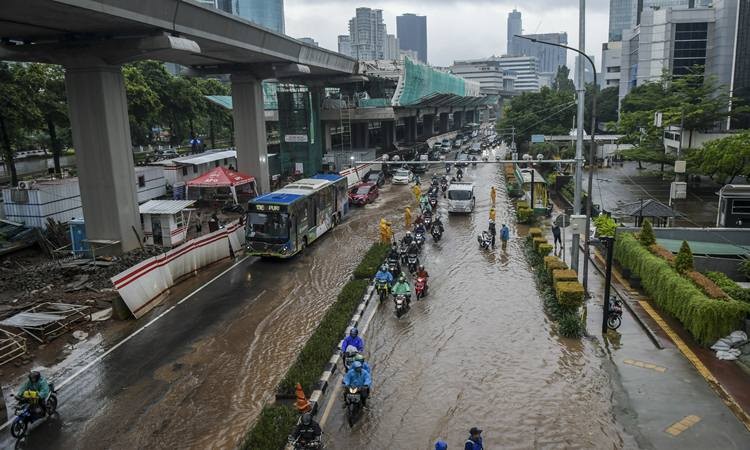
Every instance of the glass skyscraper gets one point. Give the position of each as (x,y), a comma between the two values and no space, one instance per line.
(514,28)
(411,31)
(267,13)
(626,14)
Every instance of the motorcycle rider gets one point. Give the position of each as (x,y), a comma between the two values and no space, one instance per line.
(436,222)
(393,254)
(422,273)
(402,288)
(361,359)
(408,238)
(354,340)
(307,430)
(384,275)
(360,378)
(419,228)
(35,382)
(459,173)
(493,231)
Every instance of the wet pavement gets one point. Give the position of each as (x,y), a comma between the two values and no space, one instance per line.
(200,375)
(479,351)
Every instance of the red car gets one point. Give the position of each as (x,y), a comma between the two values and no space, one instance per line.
(363,193)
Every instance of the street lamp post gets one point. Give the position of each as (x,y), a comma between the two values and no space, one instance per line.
(592,156)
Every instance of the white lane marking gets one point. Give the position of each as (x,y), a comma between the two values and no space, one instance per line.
(337,384)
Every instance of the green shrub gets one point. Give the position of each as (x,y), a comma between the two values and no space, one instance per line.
(537,241)
(728,285)
(605,225)
(705,319)
(553,262)
(646,236)
(372,260)
(744,268)
(274,425)
(570,325)
(522,204)
(318,349)
(569,293)
(545,249)
(535,232)
(524,215)
(684,259)
(564,275)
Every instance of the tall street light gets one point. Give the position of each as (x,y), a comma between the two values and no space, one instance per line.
(579,157)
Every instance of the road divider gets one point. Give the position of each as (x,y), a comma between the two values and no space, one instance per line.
(277,420)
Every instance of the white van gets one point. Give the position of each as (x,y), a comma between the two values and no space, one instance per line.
(461,197)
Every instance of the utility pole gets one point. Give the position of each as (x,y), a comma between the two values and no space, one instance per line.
(581,90)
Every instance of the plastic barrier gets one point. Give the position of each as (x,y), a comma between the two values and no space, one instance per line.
(142,285)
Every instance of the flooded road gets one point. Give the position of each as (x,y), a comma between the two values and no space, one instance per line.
(200,375)
(478,351)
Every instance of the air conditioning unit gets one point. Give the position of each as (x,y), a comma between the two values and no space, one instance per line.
(23,185)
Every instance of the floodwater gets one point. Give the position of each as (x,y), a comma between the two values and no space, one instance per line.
(478,351)
(200,375)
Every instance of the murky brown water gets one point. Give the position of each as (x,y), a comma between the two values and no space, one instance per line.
(479,351)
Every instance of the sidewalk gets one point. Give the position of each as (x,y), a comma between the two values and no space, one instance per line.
(660,398)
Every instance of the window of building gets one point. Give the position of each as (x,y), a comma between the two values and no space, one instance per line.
(216,163)
(141,181)
(741,207)
(615,69)
(184,171)
(195,169)
(691,41)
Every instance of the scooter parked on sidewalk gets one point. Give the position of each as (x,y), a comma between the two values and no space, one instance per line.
(614,317)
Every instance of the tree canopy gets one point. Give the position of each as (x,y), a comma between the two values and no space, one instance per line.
(723,159)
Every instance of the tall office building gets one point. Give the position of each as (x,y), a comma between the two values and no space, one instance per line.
(411,30)
(492,78)
(741,79)
(267,13)
(345,44)
(626,14)
(368,37)
(611,54)
(309,40)
(514,27)
(674,39)
(549,57)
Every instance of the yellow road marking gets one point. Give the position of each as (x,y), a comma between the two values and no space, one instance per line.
(682,425)
(645,365)
(702,369)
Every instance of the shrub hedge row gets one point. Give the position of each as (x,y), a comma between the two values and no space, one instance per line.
(706,319)
(276,421)
(728,285)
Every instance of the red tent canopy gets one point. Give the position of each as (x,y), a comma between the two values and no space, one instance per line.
(221,177)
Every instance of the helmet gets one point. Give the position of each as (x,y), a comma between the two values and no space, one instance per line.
(384,268)
(408,233)
(441,445)
(306,419)
(421,267)
(353,332)
(357,365)
(402,279)
(34,376)
(359,358)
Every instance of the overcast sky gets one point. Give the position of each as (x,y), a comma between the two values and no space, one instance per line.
(455,29)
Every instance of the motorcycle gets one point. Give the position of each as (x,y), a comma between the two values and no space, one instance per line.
(393,267)
(447,168)
(402,253)
(459,175)
(614,318)
(473,162)
(28,410)
(348,359)
(444,187)
(420,287)
(427,218)
(437,233)
(301,444)
(485,240)
(382,288)
(433,201)
(419,237)
(353,400)
(412,262)
(402,306)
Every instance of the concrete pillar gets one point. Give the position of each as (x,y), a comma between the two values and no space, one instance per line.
(104,155)
(457,120)
(388,130)
(365,135)
(428,125)
(443,128)
(250,129)
(411,129)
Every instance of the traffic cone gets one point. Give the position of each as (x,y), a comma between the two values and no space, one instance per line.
(301,404)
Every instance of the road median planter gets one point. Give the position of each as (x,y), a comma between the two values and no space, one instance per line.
(559,275)
(705,318)
(277,421)
(552,263)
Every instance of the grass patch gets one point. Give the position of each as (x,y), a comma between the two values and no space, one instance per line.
(372,261)
(728,285)
(706,319)
(272,428)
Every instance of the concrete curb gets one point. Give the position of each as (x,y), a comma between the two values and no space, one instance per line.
(330,369)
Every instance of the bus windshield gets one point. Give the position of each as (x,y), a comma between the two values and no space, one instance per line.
(269,226)
(459,194)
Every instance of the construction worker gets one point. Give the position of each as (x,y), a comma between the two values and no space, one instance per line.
(492,214)
(417,192)
(493,194)
(407,218)
(384,231)
(389,233)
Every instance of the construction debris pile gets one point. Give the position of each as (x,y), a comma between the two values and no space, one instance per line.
(31,280)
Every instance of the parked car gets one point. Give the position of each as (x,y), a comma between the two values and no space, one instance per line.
(402,176)
(166,154)
(363,193)
(374,176)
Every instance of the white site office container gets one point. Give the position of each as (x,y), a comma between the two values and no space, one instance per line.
(150,183)
(56,199)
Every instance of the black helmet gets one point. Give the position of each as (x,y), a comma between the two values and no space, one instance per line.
(34,376)
(353,332)
(306,419)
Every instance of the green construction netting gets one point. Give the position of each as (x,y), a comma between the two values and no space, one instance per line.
(374,103)
(421,81)
(270,101)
